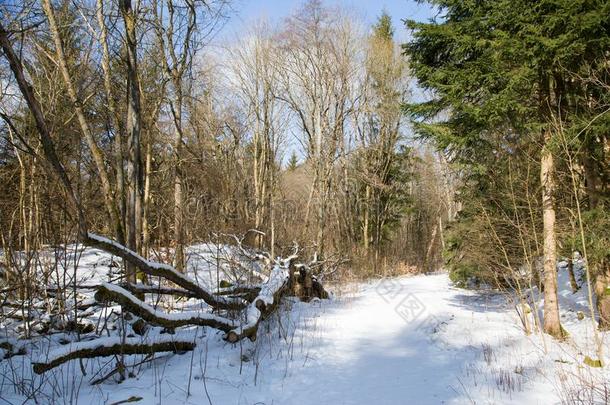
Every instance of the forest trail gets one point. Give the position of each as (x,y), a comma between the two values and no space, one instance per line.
(378,346)
(408,340)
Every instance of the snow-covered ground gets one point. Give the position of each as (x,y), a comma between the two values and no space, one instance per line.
(408,340)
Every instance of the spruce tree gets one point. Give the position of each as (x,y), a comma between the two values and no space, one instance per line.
(293,162)
(502,77)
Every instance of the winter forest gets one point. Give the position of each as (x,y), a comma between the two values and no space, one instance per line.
(304,202)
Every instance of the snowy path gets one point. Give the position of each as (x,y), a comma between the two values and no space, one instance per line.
(365,348)
(382,346)
(374,348)
(410,340)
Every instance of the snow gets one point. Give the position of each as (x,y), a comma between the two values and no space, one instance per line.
(399,340)
(206,265)
(107,342)
(277,278)
(175,316)
(155,265)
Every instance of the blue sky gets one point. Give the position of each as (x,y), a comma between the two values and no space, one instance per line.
(369,10)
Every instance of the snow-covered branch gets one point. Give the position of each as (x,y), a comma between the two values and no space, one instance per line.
(262,306)
(110,292)
(163,270)
(110,346)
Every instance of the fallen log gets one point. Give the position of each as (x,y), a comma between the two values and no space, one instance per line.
(267,299)
(243,291)
(163,270)
(247,292)
(113,293)
(284,279)
(157,289)
(111,346)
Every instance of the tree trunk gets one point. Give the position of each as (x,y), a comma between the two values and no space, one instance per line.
(146,202)
(590,175)
(573,282)
(552,323)
(602,292)
(114,122)
(179,259)
(134,172)
(365,228)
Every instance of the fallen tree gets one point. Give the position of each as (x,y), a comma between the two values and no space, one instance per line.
(252,304)
(281,274)
(108,347)
(110,292)
(162,270)
(263,304)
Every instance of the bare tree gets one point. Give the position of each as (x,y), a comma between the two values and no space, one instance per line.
(134,123)
(254,63)
(318,52)
(96,152)
(182,28)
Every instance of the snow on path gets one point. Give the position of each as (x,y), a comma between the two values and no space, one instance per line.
(414,340)
(408,340)
(382,347)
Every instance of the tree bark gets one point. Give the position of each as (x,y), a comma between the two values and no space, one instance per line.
(573,282)
(134,119)
(179,260)
(552,323)
(602,292)
(146,201)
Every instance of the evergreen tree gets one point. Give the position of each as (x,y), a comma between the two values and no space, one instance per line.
(383,27)
(293,162)
(502,77)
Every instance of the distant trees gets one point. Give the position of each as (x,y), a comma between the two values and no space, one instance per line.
(176,29)
(256,83)
(318,58)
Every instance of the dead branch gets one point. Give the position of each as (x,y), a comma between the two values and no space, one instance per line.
(108,347)
(112,293)
(249,293)
(284,278)
(157,289)
(163,270)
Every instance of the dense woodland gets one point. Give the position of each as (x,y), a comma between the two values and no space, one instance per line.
(294,129)
(479,146)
